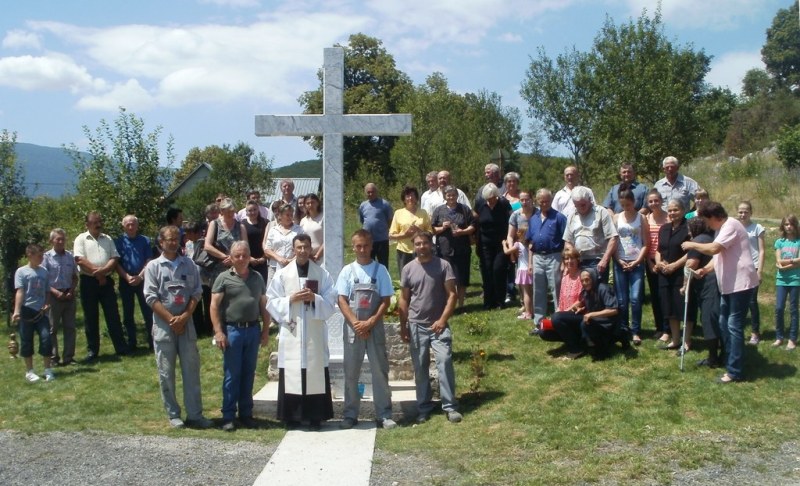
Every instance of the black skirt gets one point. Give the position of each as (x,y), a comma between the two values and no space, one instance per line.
(297,408)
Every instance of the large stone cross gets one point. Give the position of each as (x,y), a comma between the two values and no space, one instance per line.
(333,125)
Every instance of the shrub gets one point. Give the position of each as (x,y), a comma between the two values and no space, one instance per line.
(789,147)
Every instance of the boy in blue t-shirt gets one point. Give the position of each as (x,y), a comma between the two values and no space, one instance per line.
(30,310)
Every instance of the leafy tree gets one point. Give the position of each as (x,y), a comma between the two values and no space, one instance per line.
(781,52)
(789,147)
(16,227)
(757,82)
(714,110)
(646,91)
(123,172)
(454,132)
(372,84)
(235,170)
(755,124)
(558,95)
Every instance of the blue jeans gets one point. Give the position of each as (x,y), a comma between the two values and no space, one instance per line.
(781,292)
(629,287)
(33,322)
(732,308)
(239,364)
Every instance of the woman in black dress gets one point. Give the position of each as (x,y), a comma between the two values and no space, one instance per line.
(670,260)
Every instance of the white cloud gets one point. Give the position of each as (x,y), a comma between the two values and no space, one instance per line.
(20,39)
(510,37)
(130,95)
(707,14)
(454,21)
(728,69)
(51,73)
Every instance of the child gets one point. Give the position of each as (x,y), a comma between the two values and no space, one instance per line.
(30,310)
(787,279)
(755,233)
(524,276)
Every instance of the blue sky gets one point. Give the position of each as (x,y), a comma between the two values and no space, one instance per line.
(203,68)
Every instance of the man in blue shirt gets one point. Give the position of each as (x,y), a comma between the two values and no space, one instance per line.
(134,252)
(627,175)
(545,238)
(376,215)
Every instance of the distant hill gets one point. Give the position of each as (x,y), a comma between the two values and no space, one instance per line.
(303,168)
(47,170)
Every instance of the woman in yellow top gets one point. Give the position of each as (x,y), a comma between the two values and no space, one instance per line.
(405,224)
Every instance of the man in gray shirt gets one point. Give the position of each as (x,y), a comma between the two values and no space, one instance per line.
(428,298)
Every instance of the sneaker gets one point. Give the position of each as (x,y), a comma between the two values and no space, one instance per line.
(49,375)
(777,343)
(754,340)
(31,376)
(199,423)
(348,423)
(176,423)
(454,417)
(228,426)
(388,423)
(791,345)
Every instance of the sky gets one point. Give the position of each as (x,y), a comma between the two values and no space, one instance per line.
(201,69)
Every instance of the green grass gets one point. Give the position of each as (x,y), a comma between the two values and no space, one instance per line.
(634,418)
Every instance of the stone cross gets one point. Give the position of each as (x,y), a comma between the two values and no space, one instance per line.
(333,125)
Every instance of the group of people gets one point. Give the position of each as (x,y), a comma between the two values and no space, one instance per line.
(562,248)
(257,274)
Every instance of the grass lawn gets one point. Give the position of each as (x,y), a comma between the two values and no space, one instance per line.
(532,418)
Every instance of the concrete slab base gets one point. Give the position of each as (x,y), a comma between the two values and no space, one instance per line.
(330,456)
(404,402)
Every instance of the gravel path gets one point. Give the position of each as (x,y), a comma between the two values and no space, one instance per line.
(100,459)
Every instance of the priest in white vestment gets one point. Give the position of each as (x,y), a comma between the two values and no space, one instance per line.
(301,297)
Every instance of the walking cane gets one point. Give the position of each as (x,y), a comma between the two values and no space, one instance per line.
(688,274)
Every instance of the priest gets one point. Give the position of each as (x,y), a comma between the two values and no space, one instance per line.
(301,297)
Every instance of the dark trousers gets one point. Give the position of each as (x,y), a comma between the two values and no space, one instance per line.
(128,294)
(493,273)
(94,296)
(573,331)
(380,252)
(655,302)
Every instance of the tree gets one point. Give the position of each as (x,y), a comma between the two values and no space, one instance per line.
(16,228)
(756,82)
(559,98)
(235,170)
(646,91)
(781,52)
(372,84)
(454,132)
(789,147)
(714,110)
(123,172)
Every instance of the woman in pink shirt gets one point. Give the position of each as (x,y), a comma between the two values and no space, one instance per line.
(736,277)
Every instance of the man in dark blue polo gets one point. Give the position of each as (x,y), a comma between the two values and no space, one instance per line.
(134,252)
(545,240)
(627,176)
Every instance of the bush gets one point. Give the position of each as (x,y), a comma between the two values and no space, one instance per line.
(789,147)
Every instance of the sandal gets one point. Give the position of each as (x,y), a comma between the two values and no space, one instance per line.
(671,347)
(791,346)
(777,343)
(726,378)
(664,338)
